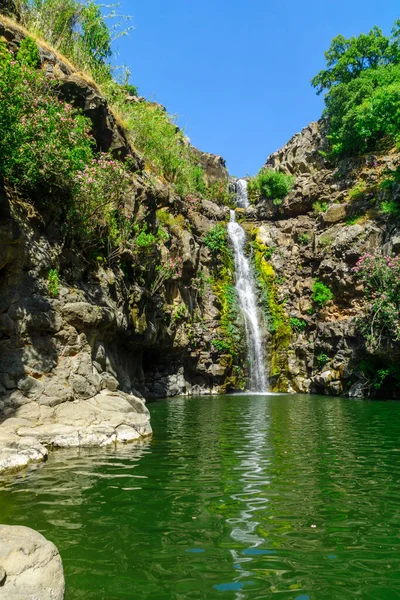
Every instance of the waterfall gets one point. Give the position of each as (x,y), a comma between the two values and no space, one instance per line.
(245,289)
(242,197)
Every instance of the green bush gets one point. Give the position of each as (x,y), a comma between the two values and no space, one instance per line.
(270,184)
(46,153)
(28,53)
(164,146)
(322,359)
(320,207)
(297,324)
(43,141)
(304,239)
(216,239)
(53,283)
(321,294)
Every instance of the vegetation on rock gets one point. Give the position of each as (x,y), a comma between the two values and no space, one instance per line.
(380,276)
(362,80)
(270,184)
(321,294)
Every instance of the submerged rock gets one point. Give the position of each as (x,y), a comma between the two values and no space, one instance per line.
(30,566)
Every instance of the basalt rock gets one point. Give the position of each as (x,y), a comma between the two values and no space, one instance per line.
(318,233)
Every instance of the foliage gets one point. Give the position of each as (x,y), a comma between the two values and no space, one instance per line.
(321,294)
(320,207)
(231,327)
(346,59)
(53,283)
(144,239)
(43,141)
(78,29)
(363,99)
(380,276)
(358,191)
(216,239)
(28,53)
(390,207)
(171,269)
(297,324)
(164,146)
(276,317)
(46,152)
(75,28)
(322,359)
(98,210)
(380,373)
(219,192)
(304,239)
(270,184)
(353,220)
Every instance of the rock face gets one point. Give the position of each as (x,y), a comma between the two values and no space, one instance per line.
(76,363)
(30,566)
(319,231)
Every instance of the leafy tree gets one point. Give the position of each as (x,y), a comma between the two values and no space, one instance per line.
(363,91)
(346,59)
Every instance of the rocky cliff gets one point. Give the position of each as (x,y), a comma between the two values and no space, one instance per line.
(76,364)
(318,233)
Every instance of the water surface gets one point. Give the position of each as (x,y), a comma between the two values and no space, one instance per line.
(247,497)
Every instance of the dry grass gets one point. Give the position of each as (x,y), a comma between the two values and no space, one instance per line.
(45,45)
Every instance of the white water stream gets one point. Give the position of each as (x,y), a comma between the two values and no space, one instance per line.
(245,289)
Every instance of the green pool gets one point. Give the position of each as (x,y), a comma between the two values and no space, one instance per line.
(236,497)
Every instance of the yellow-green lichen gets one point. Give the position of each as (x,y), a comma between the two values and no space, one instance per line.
(276,317)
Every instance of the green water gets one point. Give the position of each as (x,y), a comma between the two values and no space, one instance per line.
(235,498)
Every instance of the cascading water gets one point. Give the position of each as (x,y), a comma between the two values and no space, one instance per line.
(242,196)
(245,289)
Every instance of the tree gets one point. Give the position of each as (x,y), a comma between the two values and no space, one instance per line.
(346,59)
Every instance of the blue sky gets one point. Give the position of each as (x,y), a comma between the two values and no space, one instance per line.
(237,73)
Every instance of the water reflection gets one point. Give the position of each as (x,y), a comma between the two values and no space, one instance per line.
(235,497)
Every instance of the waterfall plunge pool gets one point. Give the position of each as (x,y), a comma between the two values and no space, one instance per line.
(235,497)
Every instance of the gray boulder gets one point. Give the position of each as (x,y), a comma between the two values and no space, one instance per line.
(30,566)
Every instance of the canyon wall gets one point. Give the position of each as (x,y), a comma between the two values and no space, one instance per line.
(330,218)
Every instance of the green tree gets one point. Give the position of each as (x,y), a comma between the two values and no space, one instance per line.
(362,80)
(347,58)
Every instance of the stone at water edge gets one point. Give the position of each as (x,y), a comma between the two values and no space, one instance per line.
(30,566)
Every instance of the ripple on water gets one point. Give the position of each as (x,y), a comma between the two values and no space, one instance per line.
(242,497)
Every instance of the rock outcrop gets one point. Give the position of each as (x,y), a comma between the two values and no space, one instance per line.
(30,566)
(319,231)
(77,363)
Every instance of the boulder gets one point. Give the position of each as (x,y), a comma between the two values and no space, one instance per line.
(30,566)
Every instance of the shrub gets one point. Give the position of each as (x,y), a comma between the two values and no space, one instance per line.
(98,212)
(322,359)
(320,207)
(321,294)
(270,184)
(28,53)
(298,324)
(216,239)
(43,141)
(304,239)
(144,240)
(218,192)
(163,145)
(380,276)
(53,283)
